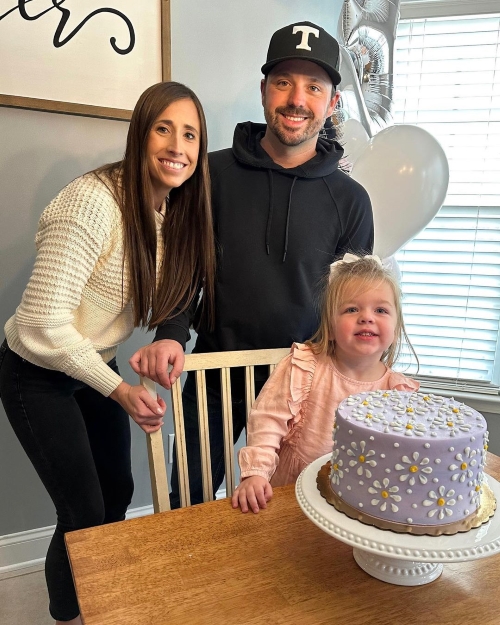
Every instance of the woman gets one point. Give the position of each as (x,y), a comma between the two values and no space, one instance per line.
(126,245)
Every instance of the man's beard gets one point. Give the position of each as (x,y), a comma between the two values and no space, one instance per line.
(287,136)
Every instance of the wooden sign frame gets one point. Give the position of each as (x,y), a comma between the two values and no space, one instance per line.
(88,110)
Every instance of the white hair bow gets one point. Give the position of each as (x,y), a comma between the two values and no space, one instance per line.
(352,258)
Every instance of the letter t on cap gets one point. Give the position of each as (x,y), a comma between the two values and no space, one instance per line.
(306,31)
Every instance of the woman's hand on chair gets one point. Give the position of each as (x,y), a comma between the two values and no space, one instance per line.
(253,493)
(144,410)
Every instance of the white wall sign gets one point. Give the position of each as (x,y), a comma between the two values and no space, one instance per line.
(85,57)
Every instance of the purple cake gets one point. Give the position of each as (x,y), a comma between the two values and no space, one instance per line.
(407,461)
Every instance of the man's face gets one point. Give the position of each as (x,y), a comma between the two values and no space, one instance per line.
(297,98)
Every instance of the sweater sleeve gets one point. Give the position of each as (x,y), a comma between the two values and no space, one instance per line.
(72,234)
(275,411)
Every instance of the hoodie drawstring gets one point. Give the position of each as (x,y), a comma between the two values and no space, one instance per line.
(270,212)
(288,218)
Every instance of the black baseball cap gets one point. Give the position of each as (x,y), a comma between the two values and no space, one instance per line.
(305,40)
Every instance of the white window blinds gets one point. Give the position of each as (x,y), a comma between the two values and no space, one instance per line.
(447,80)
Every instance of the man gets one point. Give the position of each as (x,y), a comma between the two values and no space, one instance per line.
(283,211)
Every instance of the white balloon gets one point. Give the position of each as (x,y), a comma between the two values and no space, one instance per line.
(405,171)
(354,139)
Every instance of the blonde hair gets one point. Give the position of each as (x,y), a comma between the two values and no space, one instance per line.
(368,274)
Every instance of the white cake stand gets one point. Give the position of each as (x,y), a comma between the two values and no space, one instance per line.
(401,559)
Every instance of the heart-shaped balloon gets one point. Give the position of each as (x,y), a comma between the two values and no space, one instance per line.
(354,139)
(405,171)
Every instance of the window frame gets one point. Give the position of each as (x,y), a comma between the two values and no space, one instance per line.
(482,399)
(412,9)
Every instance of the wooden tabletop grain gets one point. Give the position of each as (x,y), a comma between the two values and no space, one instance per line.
(212,564)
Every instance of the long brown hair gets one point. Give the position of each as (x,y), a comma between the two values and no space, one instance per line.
(368,274)
(188,240)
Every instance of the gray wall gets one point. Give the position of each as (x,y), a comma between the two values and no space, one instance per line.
(217,49)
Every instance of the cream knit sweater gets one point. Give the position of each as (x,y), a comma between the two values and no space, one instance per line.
(76,309)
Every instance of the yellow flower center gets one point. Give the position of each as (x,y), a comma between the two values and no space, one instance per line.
(361,458)
(450,424)
(409,426)
(455,410)
(413,469)
(486,447)
(385,395)
(463,466)
(409,409)
(441,502)
(384,494)
(478,488)
(427,398)
(365,403)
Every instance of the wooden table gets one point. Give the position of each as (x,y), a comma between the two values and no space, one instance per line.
(212,564)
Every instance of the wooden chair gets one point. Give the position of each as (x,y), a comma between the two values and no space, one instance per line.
(201,363)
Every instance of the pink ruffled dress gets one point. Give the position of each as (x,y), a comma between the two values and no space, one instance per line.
(291,421)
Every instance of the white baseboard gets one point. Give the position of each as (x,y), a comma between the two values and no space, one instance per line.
(24,552)
(24,549)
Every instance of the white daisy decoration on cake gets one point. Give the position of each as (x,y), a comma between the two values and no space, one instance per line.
(484,448)
(369,418)
(336,470)
(353,399)
(441,502)
(361,458)
(414,429)
(466,460)
(397,425)
(475,493)
(386,495)
(453,424)
(414,469)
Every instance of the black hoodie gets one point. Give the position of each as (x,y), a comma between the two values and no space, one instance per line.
(277,232)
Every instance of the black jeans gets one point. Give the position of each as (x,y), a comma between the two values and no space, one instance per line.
(216,431)
(79,443)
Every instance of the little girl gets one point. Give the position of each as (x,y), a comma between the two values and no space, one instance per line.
(359,339)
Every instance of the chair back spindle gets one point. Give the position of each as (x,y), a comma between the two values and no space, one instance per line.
(156,458)
(200,363)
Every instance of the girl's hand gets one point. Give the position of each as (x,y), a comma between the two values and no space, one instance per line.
(253,492)
(138,403)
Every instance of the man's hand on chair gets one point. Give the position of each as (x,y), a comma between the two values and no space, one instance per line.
(152,361)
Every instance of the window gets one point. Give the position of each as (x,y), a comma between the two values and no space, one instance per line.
(447,80)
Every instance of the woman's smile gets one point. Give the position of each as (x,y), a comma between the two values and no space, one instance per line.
(173,147)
